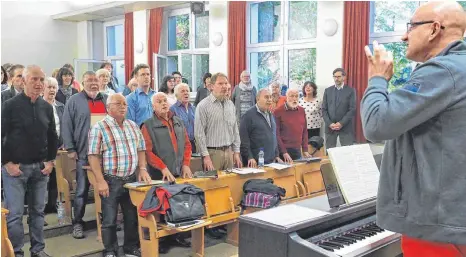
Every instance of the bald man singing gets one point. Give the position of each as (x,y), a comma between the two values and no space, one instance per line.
(422,183)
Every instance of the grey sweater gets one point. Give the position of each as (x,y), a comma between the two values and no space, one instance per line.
(422,185)
(77,122)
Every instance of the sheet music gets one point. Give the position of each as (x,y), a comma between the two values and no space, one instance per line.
(286,215)
(244,171)
(356,171)
(278,166)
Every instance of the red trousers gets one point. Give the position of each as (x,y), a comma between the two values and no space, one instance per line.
(413,247)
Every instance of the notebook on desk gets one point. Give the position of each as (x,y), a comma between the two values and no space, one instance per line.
(206,174)
(310,159)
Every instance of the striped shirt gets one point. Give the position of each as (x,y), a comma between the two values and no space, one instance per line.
(118,146)
(215,125)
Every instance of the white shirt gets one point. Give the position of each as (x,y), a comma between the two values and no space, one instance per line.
(313,112)
(171,99)
(57,119)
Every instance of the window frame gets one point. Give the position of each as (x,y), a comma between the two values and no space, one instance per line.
(283,45)
(192,50)
(111,24)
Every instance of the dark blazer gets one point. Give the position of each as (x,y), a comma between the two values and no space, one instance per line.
(256,133)
(7,94)
(342,111)
(61,97)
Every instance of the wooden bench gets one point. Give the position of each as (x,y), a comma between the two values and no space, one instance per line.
(221,210)
(151,230)
(65,169)
(97,203)
(7,247)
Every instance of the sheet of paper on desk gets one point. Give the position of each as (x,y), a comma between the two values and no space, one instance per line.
(278,166)
(356,171)
(286,215)
(142,184)
(244,171)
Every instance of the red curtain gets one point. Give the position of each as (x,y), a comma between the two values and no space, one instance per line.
(355,37)
(129,46)
(236,40)
(155,30)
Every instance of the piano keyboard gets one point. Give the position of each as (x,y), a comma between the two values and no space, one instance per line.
(357,241)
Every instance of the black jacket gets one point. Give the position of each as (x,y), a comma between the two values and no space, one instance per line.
(62,98)
(8,94)
(28,131)
(60,110)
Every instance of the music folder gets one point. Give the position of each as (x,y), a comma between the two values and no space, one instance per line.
(334,195)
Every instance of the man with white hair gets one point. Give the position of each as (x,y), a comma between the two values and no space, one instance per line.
(29,148)
(168,151)
(258,131)
(291,128)
(117,156)
(185,111)
(50,91)
(244,95)
(76,124)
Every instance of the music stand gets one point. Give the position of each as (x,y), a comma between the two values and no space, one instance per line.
(334,195)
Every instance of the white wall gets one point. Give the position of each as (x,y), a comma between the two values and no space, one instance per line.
(30,36)
(329,49)
(140,23)
(218,22)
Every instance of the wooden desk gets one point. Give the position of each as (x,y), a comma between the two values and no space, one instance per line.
(7,247)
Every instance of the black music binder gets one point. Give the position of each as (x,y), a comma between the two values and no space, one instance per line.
(334,195)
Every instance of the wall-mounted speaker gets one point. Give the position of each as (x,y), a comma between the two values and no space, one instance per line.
(197,7)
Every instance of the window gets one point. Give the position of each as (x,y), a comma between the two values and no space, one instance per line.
(281,42)
(114,48)
(188,46)
(388,24)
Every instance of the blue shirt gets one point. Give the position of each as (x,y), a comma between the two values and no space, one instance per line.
(186,115)
(139,106)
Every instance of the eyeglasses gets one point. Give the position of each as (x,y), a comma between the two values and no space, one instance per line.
(410,25)
(119,104)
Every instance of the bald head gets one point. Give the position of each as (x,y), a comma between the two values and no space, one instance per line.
(432,28)
(160,104)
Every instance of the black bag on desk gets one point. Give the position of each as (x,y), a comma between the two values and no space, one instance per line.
(186,203)
(261,193)
(176,202)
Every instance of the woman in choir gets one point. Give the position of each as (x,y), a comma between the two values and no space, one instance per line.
(168,87)
(103,75)
(313,109)
(65,78)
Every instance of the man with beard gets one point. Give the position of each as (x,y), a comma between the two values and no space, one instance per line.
(76,124)
(291,128)
(244,95)
(338,109)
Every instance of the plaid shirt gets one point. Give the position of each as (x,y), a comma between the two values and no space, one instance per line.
(118,146)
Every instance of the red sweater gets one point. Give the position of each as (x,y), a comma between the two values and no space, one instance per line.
(291,128)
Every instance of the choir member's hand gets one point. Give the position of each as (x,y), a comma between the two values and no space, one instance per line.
(167,175)
(332,126)
(381,63)
(237,160)
(186,172)
(277,159)
(307,155)
(48,167)
(13,169)
(252,163)
(102,187)
(208,163)
(72,155)
(338,126)
(143,176)
(287,158)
